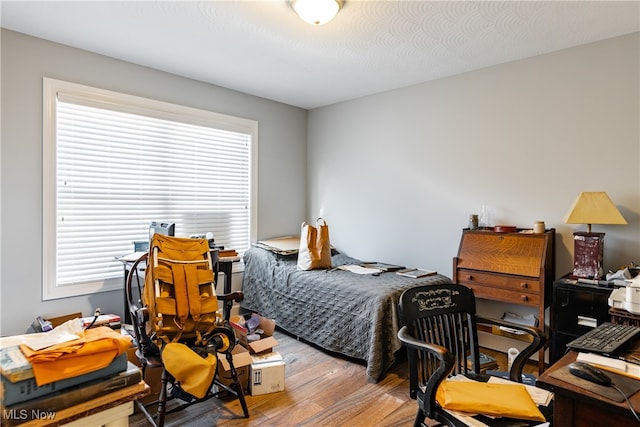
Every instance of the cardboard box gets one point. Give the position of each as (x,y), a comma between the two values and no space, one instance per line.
(263,345)
(59,320)
(151,377)
(267,374)
(241,361)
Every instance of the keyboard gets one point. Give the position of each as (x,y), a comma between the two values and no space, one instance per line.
(605,339)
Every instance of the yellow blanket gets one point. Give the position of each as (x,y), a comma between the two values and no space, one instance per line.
(194,373)
(94,350)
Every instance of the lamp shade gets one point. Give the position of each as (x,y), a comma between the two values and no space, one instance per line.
(594,208)
(316,12)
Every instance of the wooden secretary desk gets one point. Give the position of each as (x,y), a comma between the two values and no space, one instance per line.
(514,267)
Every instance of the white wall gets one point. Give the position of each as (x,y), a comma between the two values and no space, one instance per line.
(397,174)
(25,61)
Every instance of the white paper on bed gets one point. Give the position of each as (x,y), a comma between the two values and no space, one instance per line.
(358,269)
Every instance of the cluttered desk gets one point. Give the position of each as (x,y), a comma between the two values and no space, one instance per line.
(597,381)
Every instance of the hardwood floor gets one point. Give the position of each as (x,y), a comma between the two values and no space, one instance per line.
(320,390)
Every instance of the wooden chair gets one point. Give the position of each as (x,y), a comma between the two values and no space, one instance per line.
(150,354)
(439,329)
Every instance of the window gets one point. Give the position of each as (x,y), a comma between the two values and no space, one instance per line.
(113,163)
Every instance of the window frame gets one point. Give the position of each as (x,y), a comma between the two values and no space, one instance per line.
(131,104)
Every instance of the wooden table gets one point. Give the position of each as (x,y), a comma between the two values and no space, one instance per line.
(576,406)
(110,410)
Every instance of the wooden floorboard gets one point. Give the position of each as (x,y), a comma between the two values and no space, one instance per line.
(321,389)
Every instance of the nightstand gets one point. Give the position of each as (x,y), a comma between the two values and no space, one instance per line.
(577,308)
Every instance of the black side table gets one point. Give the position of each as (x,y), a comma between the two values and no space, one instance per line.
(577,308)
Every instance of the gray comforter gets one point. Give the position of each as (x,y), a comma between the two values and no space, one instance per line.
(351,314)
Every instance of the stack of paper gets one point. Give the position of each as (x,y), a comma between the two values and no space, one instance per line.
(287,245)
(617,366)
(416,273)
(529,320)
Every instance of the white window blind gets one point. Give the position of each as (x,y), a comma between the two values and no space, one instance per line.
(122,162)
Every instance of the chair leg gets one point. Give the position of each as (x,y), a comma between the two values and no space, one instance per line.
(420,417)
(237,386)
(162,399)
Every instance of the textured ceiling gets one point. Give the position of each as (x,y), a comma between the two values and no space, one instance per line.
(263,48)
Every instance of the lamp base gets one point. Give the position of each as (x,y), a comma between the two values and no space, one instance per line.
(588,250)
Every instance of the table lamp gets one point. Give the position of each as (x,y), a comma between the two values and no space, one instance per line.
(591,208)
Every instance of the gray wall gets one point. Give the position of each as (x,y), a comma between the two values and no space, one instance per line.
(397,174)
(25,60)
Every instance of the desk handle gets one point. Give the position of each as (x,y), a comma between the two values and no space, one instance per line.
(524,285)
(524,298)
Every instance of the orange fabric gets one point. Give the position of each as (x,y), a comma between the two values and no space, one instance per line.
(95,350)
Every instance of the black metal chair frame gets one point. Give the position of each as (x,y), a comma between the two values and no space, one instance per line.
(149,354)
(440,331)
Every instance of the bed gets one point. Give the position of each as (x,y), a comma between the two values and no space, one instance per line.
(351,314)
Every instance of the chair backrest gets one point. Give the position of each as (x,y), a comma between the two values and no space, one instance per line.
(179,289)
(443,315)
(139,315)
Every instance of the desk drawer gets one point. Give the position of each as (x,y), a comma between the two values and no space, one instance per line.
(512,283)
(498,294)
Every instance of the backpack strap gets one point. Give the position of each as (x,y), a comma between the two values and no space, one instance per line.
(181,297)
(193,292)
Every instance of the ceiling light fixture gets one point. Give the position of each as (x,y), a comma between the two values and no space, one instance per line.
(316,12)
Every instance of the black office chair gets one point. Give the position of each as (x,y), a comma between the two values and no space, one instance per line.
(149,353)
(440,333)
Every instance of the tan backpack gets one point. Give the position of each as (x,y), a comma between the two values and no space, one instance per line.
(179,290)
